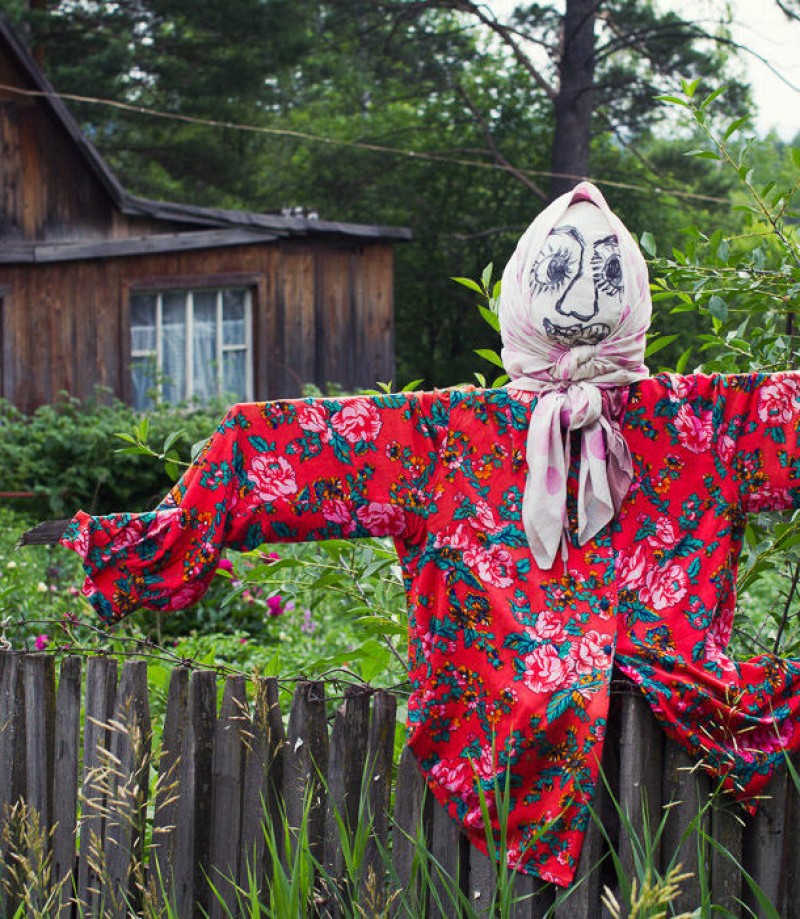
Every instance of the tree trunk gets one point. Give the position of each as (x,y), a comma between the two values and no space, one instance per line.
(574,103)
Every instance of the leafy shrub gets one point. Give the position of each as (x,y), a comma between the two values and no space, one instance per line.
(68,455)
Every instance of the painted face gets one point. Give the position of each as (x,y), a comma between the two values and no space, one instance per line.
(576,279)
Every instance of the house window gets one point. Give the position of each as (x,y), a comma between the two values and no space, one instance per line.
(191,344)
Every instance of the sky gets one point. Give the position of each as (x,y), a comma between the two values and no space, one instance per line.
(761,26)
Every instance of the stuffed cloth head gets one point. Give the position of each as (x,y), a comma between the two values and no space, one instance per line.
(574,310)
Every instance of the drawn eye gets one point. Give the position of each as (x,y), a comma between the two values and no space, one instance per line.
(607,269)
(552,270)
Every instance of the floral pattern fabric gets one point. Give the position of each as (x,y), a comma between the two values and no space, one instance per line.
(510,665)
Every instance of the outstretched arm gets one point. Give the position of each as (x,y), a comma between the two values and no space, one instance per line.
(280,471)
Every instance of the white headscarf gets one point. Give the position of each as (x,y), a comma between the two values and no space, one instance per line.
(574,386)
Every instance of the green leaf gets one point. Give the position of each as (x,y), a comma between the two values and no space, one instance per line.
(673,100)
(795,152)
(171,439)
(690,87)
(734,126)
(488,355)
(490,318)
(718,308)
(486,277)
(703,154)
(468,282)
(657,344)
(683,360)
(712,96)
(648,243)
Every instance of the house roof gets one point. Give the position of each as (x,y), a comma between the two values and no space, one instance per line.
(260,226)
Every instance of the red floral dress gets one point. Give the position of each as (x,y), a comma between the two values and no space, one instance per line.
(510,665)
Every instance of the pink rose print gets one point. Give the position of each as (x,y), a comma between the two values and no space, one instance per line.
(492,563)
(775,400)
(274,477)
(484,516)
(314,418)
(548,627)
(664,587)
(593,653)
(453,780)
(768,498)
(357,422)
(665,536)
(546,671)
(460,537)
(695,430)
(382,519)
(334,510)
(726,446)
(631,567)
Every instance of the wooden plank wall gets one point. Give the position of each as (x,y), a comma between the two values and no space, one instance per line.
(323,313)
(225,770)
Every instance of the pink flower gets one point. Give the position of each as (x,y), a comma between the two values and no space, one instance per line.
(225,564)
(334,510)
(452,779)
(665,536)
(631,567)
(695,429)
(548,627)
(492,563)
(593,652)
(665,586)
(315,419)
(460,537)
(546,671)
(275,605)
(726,446)
(41,642)
(274,477)
(484,516)
(775,400)
(382,519)
(357,422)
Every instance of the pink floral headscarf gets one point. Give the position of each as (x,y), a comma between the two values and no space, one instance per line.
(575,388)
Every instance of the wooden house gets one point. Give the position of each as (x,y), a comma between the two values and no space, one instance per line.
(101,288)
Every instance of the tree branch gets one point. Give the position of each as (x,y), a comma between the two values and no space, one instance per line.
(494,149)
(506,34)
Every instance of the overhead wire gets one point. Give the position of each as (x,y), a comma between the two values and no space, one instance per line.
(423,155)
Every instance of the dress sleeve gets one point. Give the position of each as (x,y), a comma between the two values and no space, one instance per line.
(276,471)
(757,426)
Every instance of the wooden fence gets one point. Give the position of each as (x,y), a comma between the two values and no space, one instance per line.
(223,766)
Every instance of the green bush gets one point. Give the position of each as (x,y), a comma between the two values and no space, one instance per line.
(68,455)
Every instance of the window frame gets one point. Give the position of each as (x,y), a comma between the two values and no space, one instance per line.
(189,286)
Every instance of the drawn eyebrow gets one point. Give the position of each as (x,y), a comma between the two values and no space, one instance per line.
(608,241)
(567,230)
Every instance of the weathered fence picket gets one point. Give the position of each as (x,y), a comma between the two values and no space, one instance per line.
(220,777)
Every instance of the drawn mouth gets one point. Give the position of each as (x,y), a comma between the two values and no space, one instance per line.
(577,334)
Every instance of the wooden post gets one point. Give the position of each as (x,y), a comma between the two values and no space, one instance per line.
(233,726)
(380,755)
(412,817)
(641,765)
(449,863)
(166,854)
(101,687)
(128,784)
(727,817)
(305,760)
(764,836)
(195,806)
(257,800)
(686,793)
(65,779)
(346,761)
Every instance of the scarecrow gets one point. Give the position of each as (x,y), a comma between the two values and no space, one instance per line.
(584,515)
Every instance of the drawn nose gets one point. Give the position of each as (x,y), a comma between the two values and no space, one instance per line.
(580,300)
